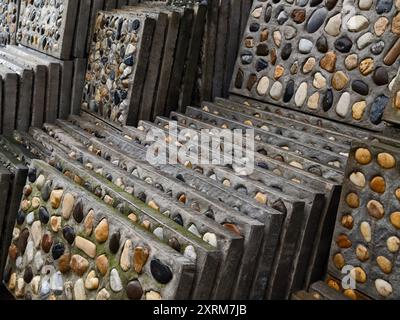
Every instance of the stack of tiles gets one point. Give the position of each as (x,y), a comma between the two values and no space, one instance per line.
(334,59)
(366,240)
(9,10)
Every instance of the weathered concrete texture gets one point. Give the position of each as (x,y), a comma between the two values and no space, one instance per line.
(9,99)
(48,26)
(366,236)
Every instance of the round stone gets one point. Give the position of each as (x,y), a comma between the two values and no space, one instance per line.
(289,91)
(279,71)
(378,47)
(360,87)
(289,32)
(298,15)
(322,44)
(366,232)
(134,290)
(386,160)
(385,264)
(263,86)
(353,200)
(395,219)
(362,253)
(383,6)
(327,100)
(375,209)
(316,20)
(64,263)
(358,110)
(328,62)
(365,4)
(358,274)
(343,44)
(333,25)
(338,260)
(339,80)
(343,241)
(347,221)
(101,231)
(276,90)
(351,61)
(380,76)
(383,287)
(69,234)
(363,156)
(381,25)
(357,23)
(301,94)
(343,105)
(313,101)
(79,264)
(305,46)
(366,66)
(378,184)
(319,81)
(160,271)
(393,244)
(57,250)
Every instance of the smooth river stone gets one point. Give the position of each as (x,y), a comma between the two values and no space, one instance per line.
(322,44)
(343,105)
(79,290)
(55,198)
(36,231)
(365,40)
(383,6)
(392,54)
(134,290)
(276,90)
(101,231)
(377,109)
(262,86)
(360,87)
(333,25)
(79,264)
(302,3)
(313,101)
(328,62)
(67,206)
(383,287)
(289,32)
(365,4)
(289,91)
(160,271)
(358,110)
(330,4)
(298,15)
(319,81)
(115,281)
(381,25)
(305,46)
(343,44)
(378,47)
(286,51)
(357,23)
(301,94)
(366,66)
(339,80)
(309,65)
(327,100)
(86,246)
(114,242)
(277,37)
(380,76)
(316,20)
(125,261)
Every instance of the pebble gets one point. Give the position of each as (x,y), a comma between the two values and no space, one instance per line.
(395,219)
(134,290)
(322,44)
(380,76)
(353,200)
(360,87)
(79,290)
(44,288)
(351,61)
(289,91)
(47,242)
(38,260)
(363,156)
(55,223)
(343,44)
(375,209)
(358,179)
(378,184)
(57,283)
(69,234)
(358,274)
(383,287)
(160,271)
(101,231)
(88,223)
(286,51)
(35,285)
(68,290)
(378,47)
(12,283)
(362,253)
(366,232)
(305,46)
(366,66)
(385,264)
(279,71)
(277,37)
(193,229)
(64,263)
(328,62)
(125,261)
(25,205)
(140,256)
(381,25)
(343,241)
(32,175)
(20,288)
(211,239)
(333,25)
(152,295)
(55,198)
(308,65)
(365,40)
(377,109)
(339,261)
(383,6)
(319,81)
(78,211)
(30,218)
(289,32)
(67,206)
(91,282)
(347,221)
(102,264)
(44,215)
(36,231)
(358,110)
(316,20)
(28,275)
(35,203)
(103,295)
(392,54)
(86,246)
(339,80)
(298,15)
(301,94)
(313,101)
(343,106)
(276,90)
(393,244)
(357,23)
(114,242)
(79,264)
(261,198)
(262,86)
(365,4)
(190,253)
(46,190)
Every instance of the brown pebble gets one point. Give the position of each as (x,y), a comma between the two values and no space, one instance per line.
(363,156)
(386,160)
(378,184)
(343,241)
(395,219)
(353,200)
